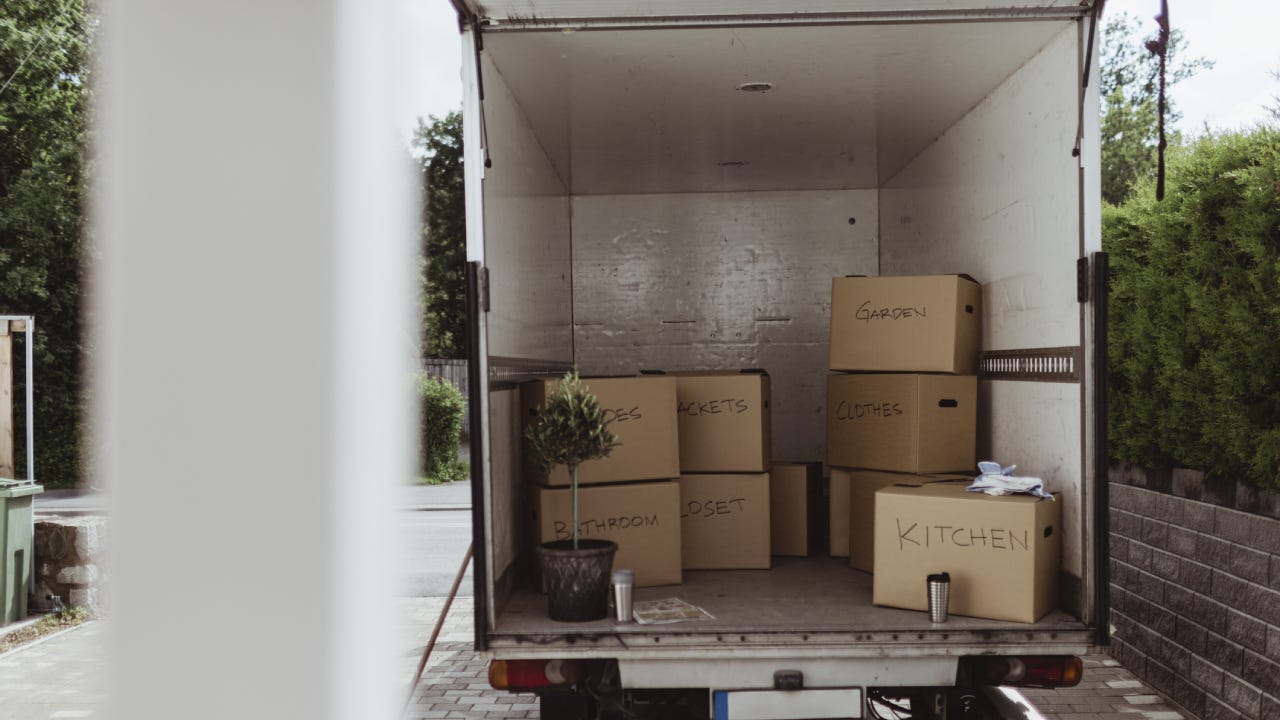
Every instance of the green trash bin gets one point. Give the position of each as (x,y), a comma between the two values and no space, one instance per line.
(15,547)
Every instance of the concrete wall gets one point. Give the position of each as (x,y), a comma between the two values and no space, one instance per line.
(1195,590)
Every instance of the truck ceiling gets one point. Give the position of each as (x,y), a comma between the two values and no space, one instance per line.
(746,108)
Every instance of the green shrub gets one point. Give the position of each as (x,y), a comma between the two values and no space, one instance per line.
(1195,312)
(442,410)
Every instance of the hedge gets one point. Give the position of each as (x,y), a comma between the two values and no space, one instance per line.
(1195,312)
(442,410)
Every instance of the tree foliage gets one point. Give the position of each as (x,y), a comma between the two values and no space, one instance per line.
(439,142)
(570,429)
(1195,312)
(44,47)
(1130,84)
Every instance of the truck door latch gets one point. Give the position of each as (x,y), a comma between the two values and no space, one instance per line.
(788,680)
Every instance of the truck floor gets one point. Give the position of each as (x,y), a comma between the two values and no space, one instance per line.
(801,601)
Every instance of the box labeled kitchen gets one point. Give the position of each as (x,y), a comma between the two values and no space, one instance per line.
(919,323)
(642,414)
(1002,553)
(725,521)
(907,423)
(642,518)
(795,509)
(724,421)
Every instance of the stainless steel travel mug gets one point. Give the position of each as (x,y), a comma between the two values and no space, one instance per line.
(623,583)
(939,586)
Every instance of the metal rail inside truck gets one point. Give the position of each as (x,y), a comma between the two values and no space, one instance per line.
(673,184)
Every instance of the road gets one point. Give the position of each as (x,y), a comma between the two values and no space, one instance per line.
(434,543)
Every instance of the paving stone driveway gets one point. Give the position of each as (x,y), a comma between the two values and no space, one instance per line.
(456,685)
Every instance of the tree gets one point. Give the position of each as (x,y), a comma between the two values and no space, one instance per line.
(1129,88)
(439,141)
(44,47)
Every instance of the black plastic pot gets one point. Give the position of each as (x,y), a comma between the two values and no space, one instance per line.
(577,580)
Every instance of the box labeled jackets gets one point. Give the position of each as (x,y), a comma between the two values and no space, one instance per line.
(863,485)
(642,518)
(1002,552)
(724,421)
(902,423)
(795,499)
(929,323)
(642,414)
(725,521)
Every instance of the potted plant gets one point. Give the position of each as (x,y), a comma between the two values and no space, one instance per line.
(571,430)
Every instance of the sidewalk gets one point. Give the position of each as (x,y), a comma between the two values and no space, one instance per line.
(60,676)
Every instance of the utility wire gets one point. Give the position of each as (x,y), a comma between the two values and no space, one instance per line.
(44,35)
(24,62)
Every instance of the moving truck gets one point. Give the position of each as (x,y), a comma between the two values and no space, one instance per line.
(673,184)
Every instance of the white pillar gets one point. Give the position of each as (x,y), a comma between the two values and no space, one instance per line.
(255,323)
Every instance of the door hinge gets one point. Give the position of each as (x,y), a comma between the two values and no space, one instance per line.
(1082,280)
(484,289)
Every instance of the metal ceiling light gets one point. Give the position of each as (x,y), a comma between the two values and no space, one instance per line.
(756,87)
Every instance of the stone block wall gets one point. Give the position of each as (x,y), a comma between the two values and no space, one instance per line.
(1195,590)
(69,562)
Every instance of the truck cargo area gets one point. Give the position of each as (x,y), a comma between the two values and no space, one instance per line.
(678,194)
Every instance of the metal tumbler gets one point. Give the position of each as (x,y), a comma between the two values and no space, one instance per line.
(939,594)
(623,583)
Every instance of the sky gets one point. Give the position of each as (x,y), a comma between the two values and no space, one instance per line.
(1238,34)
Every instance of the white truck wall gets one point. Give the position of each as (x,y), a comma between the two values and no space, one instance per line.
(508,493)
(526,250)
(526,244)
(721,280)
(997,197)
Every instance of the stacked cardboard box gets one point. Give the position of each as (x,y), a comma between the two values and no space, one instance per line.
(1002,553)
(725,457)
(902,397)
(796,514)
(629,497)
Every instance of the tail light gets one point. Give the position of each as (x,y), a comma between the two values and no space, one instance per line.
(1045,671)
(517,675)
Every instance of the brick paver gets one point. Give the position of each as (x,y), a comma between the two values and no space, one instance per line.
(1108,692)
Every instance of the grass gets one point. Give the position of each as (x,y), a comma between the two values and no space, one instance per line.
(47,625)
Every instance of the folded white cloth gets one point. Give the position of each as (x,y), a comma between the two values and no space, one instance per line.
(997,480)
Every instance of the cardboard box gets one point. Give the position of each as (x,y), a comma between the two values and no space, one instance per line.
(1002,552)
(724,421)
(863,485)
(795,504)
(930,323)
(643,518)
(725,521)
(838,514)
(902,423)
(642,413)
